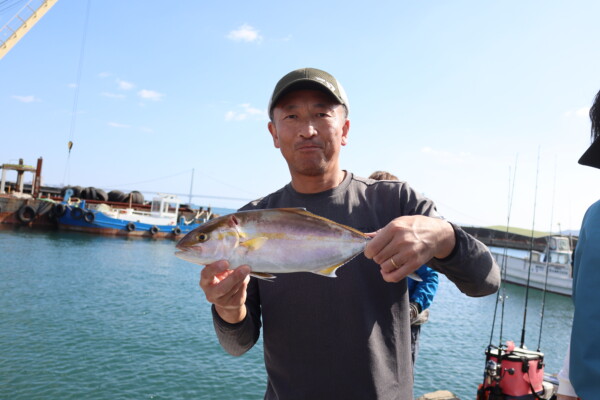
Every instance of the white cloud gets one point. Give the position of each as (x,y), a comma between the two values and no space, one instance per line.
(104,74)
(124,85)
(118,125)
(579,113)
(445,156)
(234,116)
(113,95)
(72,85)
(26,99)
(150,95)
(245,111)
(245,33)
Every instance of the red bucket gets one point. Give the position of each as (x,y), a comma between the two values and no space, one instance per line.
(517,374)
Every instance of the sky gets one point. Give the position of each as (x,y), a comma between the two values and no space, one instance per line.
(481,106)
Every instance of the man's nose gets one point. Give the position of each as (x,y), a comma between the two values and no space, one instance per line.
(308,130)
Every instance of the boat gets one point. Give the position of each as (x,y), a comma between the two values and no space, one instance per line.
(550,269)
(163,220)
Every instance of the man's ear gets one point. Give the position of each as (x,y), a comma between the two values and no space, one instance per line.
(274,135)
(345,130)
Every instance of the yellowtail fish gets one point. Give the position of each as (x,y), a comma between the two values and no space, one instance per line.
(273,241)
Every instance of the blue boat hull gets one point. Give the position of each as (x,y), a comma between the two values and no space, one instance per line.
(93,221)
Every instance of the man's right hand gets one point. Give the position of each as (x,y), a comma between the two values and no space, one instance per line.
(226,289)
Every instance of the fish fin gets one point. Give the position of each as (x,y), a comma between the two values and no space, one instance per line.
(254,244)
(330,271)
(415,277)
(263,275)
(305,212)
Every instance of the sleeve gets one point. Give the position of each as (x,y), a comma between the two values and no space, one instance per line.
(423,292)
(238,338)
(470,266)
(564,384)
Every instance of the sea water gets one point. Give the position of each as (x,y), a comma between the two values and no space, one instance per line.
(90,317)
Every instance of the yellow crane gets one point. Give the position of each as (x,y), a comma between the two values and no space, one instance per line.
(20,24)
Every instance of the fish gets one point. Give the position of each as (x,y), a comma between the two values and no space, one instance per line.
(274,241)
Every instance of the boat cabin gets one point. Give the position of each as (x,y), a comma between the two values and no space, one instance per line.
(557,251)
(165,205)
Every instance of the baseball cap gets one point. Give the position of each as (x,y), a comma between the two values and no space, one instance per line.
(308,78)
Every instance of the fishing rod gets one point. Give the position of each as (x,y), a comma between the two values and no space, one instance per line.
(501,294)
(547,262)
(530,251)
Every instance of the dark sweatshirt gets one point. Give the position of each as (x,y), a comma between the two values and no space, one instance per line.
(347,337)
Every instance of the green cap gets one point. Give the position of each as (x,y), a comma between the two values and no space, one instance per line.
(308,78)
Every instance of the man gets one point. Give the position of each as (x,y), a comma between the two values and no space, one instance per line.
(348,337)
(420,294)
(584,366)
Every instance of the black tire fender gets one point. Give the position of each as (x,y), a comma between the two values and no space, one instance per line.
(177,230)
(89,217)
(154,230)
(59,210)
(130,227)
(26,214)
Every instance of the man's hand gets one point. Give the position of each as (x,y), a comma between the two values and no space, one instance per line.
(414,312)
(226,289)
(408,242)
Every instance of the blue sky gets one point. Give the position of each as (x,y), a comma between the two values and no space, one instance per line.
(455,97)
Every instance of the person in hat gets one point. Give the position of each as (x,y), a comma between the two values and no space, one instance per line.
(584,359)
(348,337)
(420,293)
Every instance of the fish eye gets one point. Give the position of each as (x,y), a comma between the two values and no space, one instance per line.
(202,237)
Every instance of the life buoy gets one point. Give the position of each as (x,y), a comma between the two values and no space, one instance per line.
(59,210)
(154,230)
(130,227)
(177,230)
(89,217)
(26,214)
(76,213)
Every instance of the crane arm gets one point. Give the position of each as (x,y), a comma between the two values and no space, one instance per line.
(20,24)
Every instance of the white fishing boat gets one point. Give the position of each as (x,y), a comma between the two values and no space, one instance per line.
(550,269)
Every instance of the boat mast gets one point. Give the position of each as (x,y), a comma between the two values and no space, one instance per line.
(191,188)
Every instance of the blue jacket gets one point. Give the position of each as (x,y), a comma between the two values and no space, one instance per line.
(422,292)
(584,368)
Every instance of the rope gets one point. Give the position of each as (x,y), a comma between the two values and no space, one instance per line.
(77,87)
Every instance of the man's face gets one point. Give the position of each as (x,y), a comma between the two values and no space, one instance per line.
(309,127)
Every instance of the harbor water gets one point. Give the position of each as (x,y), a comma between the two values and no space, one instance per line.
(89,317)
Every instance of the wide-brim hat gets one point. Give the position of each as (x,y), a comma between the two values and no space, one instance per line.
(591,157)
(309,78)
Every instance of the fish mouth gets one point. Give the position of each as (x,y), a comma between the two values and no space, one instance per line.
(181,253)
(186,255)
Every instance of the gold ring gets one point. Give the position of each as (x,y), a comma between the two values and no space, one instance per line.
(393,263)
